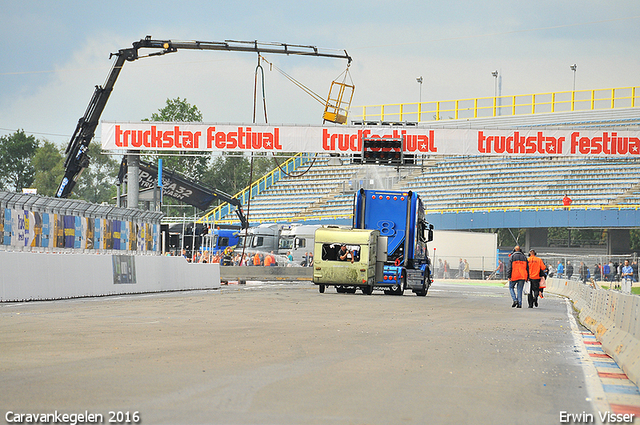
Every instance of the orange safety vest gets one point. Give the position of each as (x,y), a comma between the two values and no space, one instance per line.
(518,267)
(536,265)
(256,260)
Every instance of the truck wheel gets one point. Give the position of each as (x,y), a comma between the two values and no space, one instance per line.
(321,289)
(423,292)
(367,290)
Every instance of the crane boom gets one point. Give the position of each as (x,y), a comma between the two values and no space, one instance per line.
(76,153)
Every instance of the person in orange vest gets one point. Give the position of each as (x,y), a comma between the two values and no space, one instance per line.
(256,259)
(518,274)
(536,272)
(269,260)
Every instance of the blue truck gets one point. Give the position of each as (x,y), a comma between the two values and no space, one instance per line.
(386,247)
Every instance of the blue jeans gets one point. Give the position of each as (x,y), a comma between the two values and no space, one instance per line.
(512,284)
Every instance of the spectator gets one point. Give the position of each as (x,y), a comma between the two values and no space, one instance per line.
(466,269)
(584,272)
(627,277)
(569,269)
(560,269)
(597,272)
(634,266)
(566,201)
(446,274)
(606,272)
(612,271)
(460,269)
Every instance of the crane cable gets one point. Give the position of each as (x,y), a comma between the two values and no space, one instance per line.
(264,103)
(304,88)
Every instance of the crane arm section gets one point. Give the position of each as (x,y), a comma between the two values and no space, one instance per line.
(76,153)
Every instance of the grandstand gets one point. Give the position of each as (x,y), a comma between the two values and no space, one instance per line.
(323,192)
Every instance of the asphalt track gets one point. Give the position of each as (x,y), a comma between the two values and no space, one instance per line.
(285,354)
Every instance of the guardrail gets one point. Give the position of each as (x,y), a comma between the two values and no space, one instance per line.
(486,107)
(613,317)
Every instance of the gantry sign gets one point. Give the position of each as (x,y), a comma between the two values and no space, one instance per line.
(199,137)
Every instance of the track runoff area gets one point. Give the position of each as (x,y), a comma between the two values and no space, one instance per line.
(281,352)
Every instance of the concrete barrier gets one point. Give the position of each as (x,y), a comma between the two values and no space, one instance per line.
(233,273)
(613,317)
(47,276)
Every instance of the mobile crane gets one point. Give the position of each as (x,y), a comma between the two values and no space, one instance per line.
(76,153)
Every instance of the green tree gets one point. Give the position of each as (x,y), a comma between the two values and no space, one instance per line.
(179,110)
(634,235)
(48,163)
(228,173)
(16,155)
(96,183)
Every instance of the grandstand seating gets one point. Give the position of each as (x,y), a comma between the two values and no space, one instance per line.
(458,183)
(454,183)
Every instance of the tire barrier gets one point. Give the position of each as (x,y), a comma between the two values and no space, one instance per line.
(613,317)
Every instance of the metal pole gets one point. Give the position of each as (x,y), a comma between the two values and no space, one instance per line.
(133,175)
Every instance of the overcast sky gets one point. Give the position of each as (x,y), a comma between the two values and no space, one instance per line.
(55,52)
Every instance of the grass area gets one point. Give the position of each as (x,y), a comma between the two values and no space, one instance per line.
(635,290)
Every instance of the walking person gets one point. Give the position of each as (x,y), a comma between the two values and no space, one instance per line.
(517,273)
(536,272)
(466,269)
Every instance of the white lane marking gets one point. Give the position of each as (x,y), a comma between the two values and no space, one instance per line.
(595,391)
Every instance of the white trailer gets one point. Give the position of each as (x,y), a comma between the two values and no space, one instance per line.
(479,249)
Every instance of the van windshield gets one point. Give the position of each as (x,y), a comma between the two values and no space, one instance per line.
(286,243)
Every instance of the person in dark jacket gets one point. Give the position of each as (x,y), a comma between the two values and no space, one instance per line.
(518,274)
(569,269)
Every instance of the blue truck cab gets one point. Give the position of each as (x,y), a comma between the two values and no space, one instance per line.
(401,237)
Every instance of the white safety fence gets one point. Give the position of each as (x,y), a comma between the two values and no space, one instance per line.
(613,317)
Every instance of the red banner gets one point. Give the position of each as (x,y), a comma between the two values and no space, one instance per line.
(316,139)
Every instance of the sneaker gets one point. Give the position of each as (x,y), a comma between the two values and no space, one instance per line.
(515,304)
(541,295)
(535,303)
(519,306)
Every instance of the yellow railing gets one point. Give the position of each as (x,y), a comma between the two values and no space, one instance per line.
(216,214)
(486,107)
(532,208)
(349,215)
